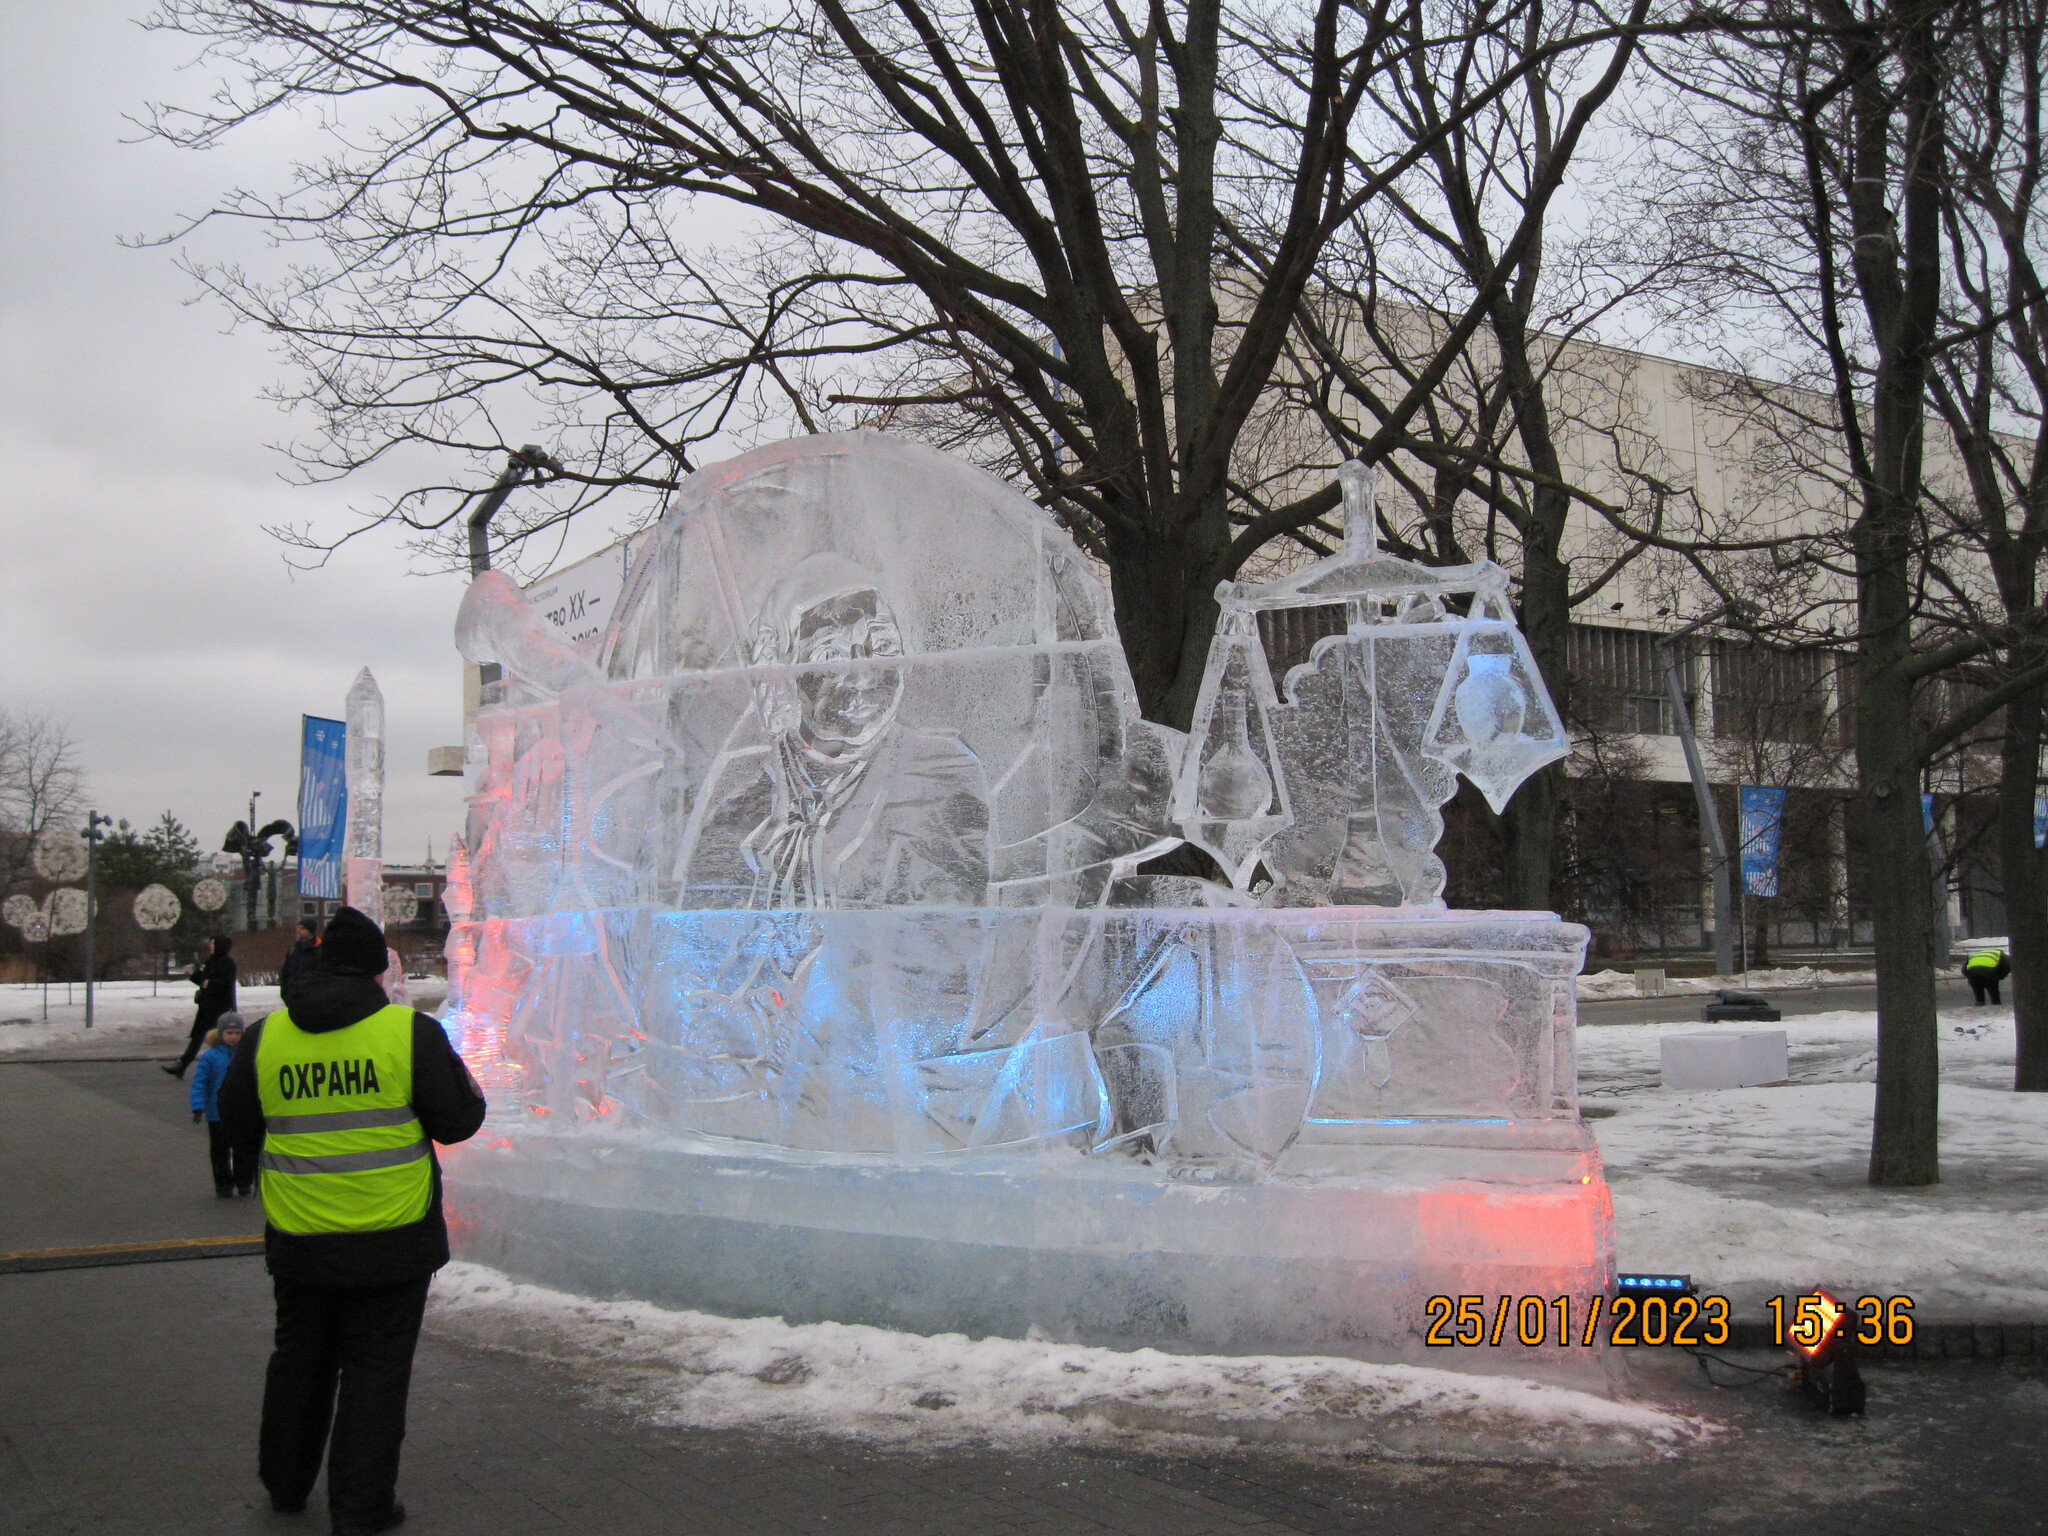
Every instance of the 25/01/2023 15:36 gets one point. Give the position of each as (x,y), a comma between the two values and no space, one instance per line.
(1653,1321)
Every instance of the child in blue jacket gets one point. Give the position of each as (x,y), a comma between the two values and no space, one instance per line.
(234,1171)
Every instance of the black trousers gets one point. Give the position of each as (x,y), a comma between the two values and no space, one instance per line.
(343,1358)
(233,1167)
(1981,985)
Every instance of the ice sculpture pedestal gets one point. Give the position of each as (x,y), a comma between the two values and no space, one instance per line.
(1473,1177)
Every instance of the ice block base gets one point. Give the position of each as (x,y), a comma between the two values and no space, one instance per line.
(1340,1258)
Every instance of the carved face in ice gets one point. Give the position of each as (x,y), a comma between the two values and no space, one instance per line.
(847,706)
(829,618)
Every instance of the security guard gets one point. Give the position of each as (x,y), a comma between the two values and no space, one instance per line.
(1984,971)
(341,1096)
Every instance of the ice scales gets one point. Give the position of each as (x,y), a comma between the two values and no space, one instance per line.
(807,959)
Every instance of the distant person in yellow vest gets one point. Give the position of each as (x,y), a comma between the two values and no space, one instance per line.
(341,1096)
(1984,971)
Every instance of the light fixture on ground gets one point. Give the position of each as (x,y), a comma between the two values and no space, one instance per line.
(1825,1350)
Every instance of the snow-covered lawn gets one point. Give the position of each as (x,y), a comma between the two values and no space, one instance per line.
(126,1018)
(876,1385)
(1757,1190)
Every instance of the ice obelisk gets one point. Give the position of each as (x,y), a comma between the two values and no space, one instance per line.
(364,848)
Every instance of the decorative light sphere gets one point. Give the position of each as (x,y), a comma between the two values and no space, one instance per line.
(400,904)
(23,913)
(209,895)
(70,912)
(60,855)
(157,907)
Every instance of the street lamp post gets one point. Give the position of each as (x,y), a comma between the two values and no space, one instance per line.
(529,460)
(252,874)
(1710,818)
(92,834)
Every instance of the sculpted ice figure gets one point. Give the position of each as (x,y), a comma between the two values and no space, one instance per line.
(1429,678)
(853,678)
(845,806)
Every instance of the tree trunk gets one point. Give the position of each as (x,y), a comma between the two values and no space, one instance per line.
(2026,891)
(1897,260)
(1904,1144)
(1530,821)
(1146,587)
(1529,840)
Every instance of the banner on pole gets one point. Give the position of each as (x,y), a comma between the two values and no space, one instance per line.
(323,805)
(1762,818)
(2041,821)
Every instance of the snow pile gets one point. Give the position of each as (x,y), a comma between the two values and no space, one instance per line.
(1758,1190)
(1601,985)
(872,1384)
(127,1018)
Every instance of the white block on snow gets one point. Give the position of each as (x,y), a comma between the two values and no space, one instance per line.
(1725,1058)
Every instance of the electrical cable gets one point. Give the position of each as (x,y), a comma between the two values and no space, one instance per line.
(1756,1373)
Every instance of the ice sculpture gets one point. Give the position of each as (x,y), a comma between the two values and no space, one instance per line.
(364,847)
(801,938)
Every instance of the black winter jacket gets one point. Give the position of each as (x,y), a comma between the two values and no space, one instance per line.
(300,961)
(446,1098)
(215,978)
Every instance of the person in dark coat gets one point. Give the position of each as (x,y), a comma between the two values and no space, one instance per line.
(299,961)
(349,1303)
(215,978)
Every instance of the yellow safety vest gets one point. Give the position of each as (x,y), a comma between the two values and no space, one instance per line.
(1983,960)
(342,1148)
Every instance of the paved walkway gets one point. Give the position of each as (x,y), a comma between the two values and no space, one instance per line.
(128,1399)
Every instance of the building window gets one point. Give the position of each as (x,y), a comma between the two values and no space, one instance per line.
(1618,681)
(309,909)
(424,890)
(1768,693)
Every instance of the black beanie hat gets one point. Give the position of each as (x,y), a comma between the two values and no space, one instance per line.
(354,941)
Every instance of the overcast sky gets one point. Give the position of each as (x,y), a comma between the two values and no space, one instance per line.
(140,601)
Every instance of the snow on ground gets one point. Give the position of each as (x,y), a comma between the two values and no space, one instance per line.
(1758,1190)
(873,1384)
(1601,985)
(127,1018)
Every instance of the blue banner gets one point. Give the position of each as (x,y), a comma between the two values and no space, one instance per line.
(1927,813)
(2041,821)
(1762,824)
(323,806)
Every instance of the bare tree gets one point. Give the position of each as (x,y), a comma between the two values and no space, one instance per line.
(1493,460)
(1007,215)
(1991,390)
(42,786)
(1807,172)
